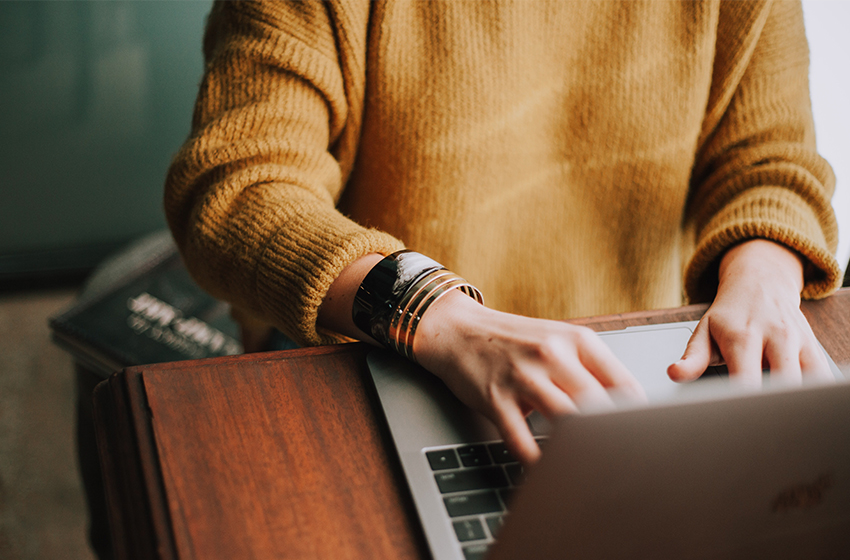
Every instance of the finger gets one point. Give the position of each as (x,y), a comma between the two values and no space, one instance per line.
(697,355)
(814,364)
(570,375)
(813,360)
(549,399)
(510,421)
(583,388)
(601,363)
(783,357)
(743,355)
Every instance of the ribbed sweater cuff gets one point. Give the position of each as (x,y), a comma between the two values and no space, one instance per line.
(299,264)
(769,213)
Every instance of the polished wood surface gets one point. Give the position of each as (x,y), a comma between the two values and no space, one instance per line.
(284,455)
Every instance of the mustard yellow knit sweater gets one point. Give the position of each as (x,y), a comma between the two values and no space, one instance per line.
(568,158)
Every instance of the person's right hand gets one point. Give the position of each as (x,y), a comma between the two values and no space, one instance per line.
(507,365)
(500,364)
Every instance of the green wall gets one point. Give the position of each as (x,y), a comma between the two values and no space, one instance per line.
(95,97)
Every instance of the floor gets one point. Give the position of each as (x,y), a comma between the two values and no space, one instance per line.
(42,511)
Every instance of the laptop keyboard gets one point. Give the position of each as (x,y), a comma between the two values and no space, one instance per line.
(476,482)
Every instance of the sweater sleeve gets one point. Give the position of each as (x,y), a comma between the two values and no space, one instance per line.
(250,197)
(757,173)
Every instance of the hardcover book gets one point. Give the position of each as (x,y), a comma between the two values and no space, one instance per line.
(144,308)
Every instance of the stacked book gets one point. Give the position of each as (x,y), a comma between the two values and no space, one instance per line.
(142,307)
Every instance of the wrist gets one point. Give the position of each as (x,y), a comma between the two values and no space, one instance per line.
(449,319)
(396,294)
(761,260)
(335,311)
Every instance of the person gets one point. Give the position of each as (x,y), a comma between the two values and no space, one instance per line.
(565,158)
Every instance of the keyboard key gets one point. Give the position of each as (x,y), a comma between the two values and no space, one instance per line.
(442,459)
(471,479)
(474,455)
(475,552)
(472,504)
(500,453)
(516,473)
(469,530)
(494,523)
(506,495)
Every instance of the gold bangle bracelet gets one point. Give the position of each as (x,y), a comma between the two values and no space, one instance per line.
(406,348)
(411,299)
(418,306)
(433,293)
(412,302)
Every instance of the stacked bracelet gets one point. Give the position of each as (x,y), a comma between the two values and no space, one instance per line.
(396,293)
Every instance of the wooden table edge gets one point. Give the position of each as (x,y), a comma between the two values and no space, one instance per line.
(126,445)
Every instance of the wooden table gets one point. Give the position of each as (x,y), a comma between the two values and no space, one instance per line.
(284,455)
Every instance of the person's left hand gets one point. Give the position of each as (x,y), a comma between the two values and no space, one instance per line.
(755,322)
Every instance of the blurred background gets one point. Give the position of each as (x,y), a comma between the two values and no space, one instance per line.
(95,97)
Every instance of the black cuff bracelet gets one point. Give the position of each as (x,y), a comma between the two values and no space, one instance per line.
(382,290)
(395,295)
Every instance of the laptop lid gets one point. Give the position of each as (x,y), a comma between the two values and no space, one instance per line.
(757,475)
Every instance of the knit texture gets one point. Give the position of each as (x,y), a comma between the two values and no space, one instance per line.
(568,158)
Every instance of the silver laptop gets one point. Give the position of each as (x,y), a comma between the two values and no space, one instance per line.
(700,472)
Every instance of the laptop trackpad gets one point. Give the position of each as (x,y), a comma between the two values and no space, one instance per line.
(647,352)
